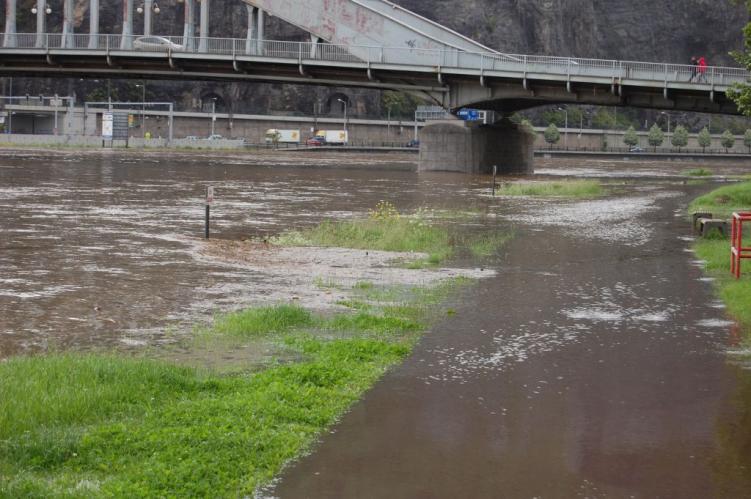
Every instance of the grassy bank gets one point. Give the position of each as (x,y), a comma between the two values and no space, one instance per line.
(567,189)
(724,201)
(736,294)
(386,229)
(111,426)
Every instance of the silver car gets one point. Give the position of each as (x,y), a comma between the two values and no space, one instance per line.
(156,44)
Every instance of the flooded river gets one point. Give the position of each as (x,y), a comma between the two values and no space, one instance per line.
(592,364)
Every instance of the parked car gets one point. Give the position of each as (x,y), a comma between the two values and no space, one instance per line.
(636,149)
(191,137)
(156,43)
(413,143)
(216,136)
(315,141)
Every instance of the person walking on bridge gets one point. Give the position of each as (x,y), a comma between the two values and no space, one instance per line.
(694,67)
(702,69)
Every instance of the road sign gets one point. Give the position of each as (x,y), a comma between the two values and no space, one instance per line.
(107,121)
(209,195)
(469,114)
(120,126)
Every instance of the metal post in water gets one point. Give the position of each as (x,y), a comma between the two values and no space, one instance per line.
(208,209)
(495,171)
(209,200)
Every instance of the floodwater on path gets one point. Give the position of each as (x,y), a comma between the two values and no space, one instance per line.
(589,362)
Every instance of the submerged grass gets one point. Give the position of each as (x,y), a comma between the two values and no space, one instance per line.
(569,189)
(736,294)
(108,426)
(385,229)
(698,172)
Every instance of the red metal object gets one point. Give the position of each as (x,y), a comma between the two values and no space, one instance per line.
(737,250)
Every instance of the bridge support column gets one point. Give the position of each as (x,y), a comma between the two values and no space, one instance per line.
(252,26)
(67,35)
(189,29)
(259,32)
(9,39)
(41,5)
(204,28)
(314,40)
(458,146)
(148,5)
(93,24)
(127,38)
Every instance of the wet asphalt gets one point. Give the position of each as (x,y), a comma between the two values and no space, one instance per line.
(589,367)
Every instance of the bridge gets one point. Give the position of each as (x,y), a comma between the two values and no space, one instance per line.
(358,43)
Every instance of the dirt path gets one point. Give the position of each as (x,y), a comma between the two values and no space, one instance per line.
(592,365)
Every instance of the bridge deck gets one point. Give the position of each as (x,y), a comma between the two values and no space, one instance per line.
(438,72)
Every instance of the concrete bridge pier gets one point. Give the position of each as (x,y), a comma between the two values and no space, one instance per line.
(461,146)
(189,28)
(9,38)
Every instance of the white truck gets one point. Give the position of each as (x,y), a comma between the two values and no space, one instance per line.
(334,137)
(282,136)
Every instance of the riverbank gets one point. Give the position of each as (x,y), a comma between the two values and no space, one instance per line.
(715,253)
(169,423)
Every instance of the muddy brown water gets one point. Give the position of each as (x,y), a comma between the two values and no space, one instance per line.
(594,363)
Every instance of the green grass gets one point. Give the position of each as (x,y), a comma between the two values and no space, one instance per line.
(735,293)
(401,234)
(386,230)
(263,320)
(715,251)
(698,172)
(485,245)
(79,425)
(724,201)
(568,189)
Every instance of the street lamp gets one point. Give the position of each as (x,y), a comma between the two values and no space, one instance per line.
(565,128)
(143,103)
(147,8)
(47,9)
(213,114)
(345,113)
(666,114)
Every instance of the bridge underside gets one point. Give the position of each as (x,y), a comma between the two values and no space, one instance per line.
(453,89)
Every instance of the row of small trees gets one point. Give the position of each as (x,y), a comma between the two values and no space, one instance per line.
(656,137)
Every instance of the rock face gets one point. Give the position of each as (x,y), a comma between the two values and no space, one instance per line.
(650,30)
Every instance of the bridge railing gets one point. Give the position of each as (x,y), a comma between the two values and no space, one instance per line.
(434,58)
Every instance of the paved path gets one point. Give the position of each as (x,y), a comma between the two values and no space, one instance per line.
(592,366)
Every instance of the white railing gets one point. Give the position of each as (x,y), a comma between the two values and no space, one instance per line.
(448,59)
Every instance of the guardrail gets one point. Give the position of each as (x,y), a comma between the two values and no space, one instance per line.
(438,59)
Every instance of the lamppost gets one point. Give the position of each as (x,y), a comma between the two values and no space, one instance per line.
(666,114)
(345,113)
(143,102)
(41,10)
(213,114)
(565,127)
(146,9)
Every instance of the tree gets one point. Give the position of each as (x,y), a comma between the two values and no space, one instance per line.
(656,136)
(552,135)
(704,138)
(527,125)
(398,104)
(727,140)
(630,138)
(680,137)
(741,94)
(747,140)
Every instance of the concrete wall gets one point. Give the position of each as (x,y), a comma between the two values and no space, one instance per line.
(458,146)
